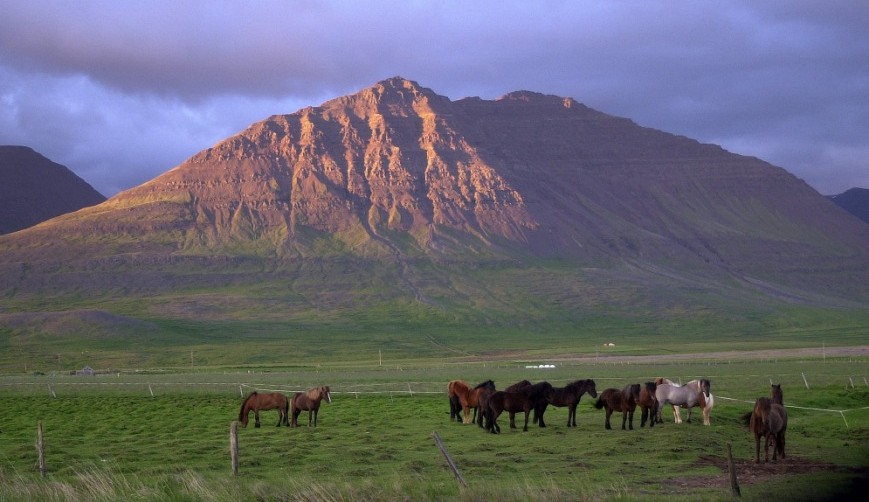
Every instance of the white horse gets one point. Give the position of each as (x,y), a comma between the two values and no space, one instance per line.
(702,386)
(678,396)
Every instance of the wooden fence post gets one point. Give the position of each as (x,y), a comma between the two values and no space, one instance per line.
(40,449)
(233,446)
(734,484)
(450,462)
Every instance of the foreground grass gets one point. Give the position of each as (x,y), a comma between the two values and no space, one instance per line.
(110,442)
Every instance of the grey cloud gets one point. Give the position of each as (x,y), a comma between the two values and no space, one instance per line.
(785,81)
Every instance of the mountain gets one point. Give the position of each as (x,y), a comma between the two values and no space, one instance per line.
(396,213)
(34,189)
(855,201)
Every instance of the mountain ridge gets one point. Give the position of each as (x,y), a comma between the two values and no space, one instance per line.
(397,172)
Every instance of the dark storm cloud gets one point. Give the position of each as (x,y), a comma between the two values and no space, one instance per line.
(122,91)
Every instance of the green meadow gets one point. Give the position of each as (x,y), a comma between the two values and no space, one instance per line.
(164,435)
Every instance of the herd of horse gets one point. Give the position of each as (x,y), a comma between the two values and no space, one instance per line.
(288,409)
(488,404)
(768,419)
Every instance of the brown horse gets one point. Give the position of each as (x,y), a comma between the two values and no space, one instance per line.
(569,396)
(256,402)
(525,399)
(624,400)
(463,397)
(769,420)
(647,403)
(309,401)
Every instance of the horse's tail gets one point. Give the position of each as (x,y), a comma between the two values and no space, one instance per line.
(599,403)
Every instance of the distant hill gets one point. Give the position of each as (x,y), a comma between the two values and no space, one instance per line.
(855,201)
(34,189)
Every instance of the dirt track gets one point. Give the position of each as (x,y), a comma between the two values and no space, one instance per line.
(814,352)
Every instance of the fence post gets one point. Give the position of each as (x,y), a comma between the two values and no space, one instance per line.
(40,449)
(450,462)
(734,484)
(804,380)
(233,446)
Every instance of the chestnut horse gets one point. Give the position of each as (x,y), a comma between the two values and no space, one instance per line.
(309,401)
(624,400)
(769,420)
(569,396)
(525,399)
(256,402)
(463,397)
(647,404)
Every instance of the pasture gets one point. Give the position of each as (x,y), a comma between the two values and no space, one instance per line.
(165,436)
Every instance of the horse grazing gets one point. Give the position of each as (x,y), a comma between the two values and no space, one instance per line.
(646,402)
(525,399)
(677,396)
(256,402)
(309,401)
(769,420)
(569,396)
(624,400)
(463,397)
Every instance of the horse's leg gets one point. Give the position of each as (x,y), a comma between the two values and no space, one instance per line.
(512,419)
(631,419)
(644,416)
(256,416)
(609,411)
(677,414)
(706,420)
(528,412)
(571,415)
(316,411)
(690,409)
(756,448)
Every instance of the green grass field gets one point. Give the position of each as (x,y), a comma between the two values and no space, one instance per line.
(165,436)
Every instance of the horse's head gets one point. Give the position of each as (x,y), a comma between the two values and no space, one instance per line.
(590,387)
(632,391)
(776,394)
(326,393)
(651,387)
(705,387)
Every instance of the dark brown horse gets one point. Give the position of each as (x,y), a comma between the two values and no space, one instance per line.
(256,402)
(769,420)
(309,401)
(525,399)
(647,402)
(463,397)
(569,396)
(624,400)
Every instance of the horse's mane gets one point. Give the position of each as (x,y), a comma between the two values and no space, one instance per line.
(485,384)
(244,404)
(316,392)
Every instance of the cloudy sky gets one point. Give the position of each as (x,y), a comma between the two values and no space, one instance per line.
(122,91)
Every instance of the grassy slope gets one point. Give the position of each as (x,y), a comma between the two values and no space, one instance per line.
(332,312)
